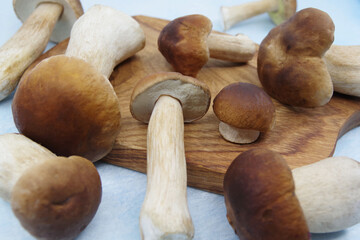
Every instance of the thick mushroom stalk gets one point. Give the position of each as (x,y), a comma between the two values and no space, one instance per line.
(52,197)
(343,64)
(279,11)
(166,101)
(31,39)
(164,212)
(238,135)
(188,42)
(67,103)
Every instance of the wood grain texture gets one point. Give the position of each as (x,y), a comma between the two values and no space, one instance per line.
(301,135)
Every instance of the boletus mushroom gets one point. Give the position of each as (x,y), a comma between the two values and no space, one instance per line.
(260,198)
(244,110)
(66,103)
(278,10)
(343,64)
(187,43)
(166,101)
(53,197)
(291,68)
(42,20)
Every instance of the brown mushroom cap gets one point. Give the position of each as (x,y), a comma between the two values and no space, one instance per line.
(260,199)
(183,43)
(245,106)
(67,106)
(286,9)
(58,198)
(290,64)
(72,10)
(193,95)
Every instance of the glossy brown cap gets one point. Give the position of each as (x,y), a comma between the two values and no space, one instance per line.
(245,106)
(183,43)
(286,9)
(260,199)
(290,64)
(57,198)
(68,107)
(194,95)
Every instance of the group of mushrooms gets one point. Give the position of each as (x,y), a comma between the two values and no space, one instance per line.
(46,171)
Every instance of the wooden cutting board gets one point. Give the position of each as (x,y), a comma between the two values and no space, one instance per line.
(302,136)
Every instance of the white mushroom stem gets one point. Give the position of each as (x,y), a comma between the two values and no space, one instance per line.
(26,45)
(234,14)
(238,135)
(104,37)
(165,213)
(239,48)
(343,63)
(17,154)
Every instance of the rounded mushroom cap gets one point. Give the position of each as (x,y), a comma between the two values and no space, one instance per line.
(183,42)
(290,64)
(65,105)
(245,106)
(57,198)
(71,12)
(286,9)
(193,95)
(260,199)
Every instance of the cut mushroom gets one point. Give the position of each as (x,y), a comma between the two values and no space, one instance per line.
(343,64)
(66,103)
(43,20)
(166,100)
(278,10)
(290,62)
(53,197)
(187,43)
(244,110)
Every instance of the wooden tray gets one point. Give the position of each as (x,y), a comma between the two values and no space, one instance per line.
(302,136)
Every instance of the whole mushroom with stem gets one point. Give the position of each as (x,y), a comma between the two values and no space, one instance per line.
(166,101)
(188,42)
(278,10)
(53,197)
(260,198)
(290,61)
(42,20)
(66,103)
(244,110)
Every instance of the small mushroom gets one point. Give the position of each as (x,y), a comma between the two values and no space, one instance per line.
(260,198)
(53,197)
(244,110)
(291,68)
(165,101)
(187,43)
(343,64)
(66,103)
(329,193)
(278,10)
(43,20)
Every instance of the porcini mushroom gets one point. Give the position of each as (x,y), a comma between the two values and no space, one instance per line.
(244,110)
(278,10)
(343,64)
(291,68)
(187,43)
(260,198)
(329,193)
(43,20)
(165,101)
(66,103)
(53,197)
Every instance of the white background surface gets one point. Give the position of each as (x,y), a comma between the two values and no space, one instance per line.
(124,190)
